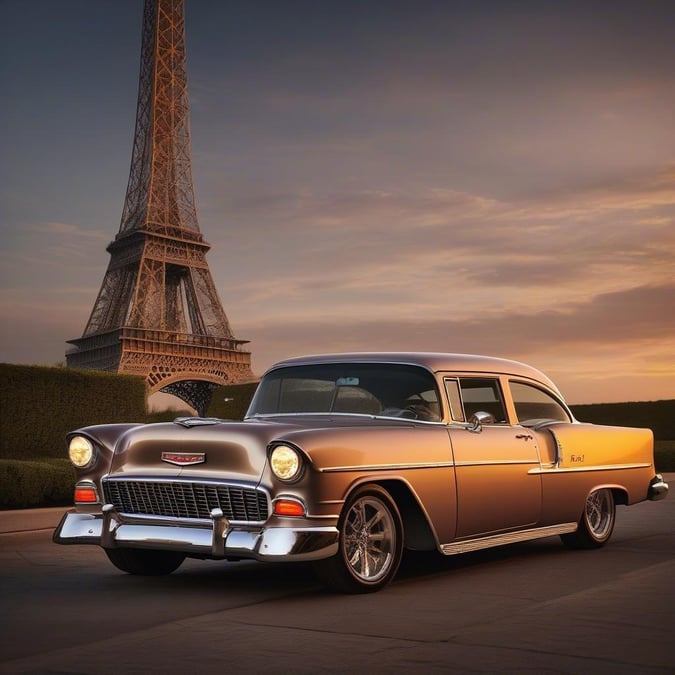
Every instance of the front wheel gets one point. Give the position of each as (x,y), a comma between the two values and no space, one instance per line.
(144,562)
(370,544)
(597,522)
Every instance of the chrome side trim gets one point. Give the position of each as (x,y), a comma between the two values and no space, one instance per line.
(577,469)
(498,462)
(429,465)
(457,547)
(387,467)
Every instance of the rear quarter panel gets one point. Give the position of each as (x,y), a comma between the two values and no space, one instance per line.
(591,456)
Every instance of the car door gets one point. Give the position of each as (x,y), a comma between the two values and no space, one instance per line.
(495,489)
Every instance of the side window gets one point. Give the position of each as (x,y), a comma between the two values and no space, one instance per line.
(533,403)
(482,394)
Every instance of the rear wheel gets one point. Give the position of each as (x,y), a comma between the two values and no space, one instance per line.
(370,544)
(597,522)
(144,562)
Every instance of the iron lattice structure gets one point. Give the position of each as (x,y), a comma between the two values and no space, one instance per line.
(158,313)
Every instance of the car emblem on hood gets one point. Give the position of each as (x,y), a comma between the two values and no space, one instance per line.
(184,458)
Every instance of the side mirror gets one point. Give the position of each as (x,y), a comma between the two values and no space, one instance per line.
(478,419)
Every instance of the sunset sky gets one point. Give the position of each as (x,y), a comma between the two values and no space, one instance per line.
(477,176)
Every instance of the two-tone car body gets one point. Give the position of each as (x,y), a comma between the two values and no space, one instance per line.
(347,459)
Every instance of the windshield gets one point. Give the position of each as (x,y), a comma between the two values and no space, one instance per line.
(390,390)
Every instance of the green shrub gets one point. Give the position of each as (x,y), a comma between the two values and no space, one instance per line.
(231,402)
(166,415)
(39,405)
(664,456)
(27,484)
(659,416)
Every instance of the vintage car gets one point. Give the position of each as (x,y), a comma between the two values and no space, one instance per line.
(346,460)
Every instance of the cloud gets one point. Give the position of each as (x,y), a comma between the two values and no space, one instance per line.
(430,252)
(621,317)
(613,347)
(67,229)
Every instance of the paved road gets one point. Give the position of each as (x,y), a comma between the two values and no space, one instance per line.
(525,608)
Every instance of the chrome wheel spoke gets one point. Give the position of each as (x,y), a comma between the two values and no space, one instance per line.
(365,565)
(369,537)
(378,536)
(374,520)
(599,512)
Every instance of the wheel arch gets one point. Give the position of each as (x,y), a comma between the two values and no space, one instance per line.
(619,492)
(417,531)
(620,495)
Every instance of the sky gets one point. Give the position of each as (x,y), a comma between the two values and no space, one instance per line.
(478,176)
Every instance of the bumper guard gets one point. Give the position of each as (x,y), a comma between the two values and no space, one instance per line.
(658,488)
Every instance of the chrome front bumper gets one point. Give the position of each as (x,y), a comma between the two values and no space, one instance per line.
(213,540)
(658,488)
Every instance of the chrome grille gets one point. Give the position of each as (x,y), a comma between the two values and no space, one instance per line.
(182,499)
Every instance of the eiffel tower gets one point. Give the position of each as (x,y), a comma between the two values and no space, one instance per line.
(158,313)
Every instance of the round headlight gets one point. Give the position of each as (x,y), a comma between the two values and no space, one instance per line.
(80,451)
(285,462)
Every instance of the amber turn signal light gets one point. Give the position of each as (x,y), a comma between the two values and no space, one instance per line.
(85,495)
(288,507)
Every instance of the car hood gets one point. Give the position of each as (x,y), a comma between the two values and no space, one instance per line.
(230,449)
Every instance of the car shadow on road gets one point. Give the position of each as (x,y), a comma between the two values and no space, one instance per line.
(417,564)
(197,576)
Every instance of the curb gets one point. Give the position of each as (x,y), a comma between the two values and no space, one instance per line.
(25,520)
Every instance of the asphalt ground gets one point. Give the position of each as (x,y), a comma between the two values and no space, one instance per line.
(27,520)
(527,608)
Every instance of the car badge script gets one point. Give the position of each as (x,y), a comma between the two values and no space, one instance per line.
(184,458)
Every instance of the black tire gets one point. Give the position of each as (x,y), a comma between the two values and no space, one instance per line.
(370,545)
(597,521)
(144,562)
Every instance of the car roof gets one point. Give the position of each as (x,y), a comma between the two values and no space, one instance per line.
(434,361)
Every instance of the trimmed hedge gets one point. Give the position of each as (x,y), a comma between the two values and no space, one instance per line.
(659,416)
(664,456)
(39,405)
(230,402)
(31,484)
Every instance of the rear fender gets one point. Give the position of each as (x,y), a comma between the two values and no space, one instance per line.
(580,446)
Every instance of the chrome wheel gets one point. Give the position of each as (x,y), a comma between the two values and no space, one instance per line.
(597,521)
(369,539)
(599,513)
(370,546)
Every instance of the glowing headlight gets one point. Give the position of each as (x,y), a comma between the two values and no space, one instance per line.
(285,462)
(80,451)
